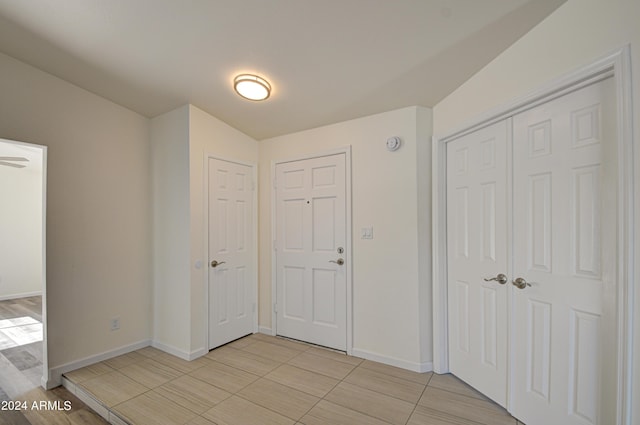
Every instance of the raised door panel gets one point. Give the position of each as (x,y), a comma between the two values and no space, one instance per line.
(310,228)
(230,240)
(477,247)
(563,156)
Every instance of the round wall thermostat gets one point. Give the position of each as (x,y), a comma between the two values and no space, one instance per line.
(393,143)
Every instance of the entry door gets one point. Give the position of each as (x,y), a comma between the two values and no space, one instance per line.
(311,260)
(477,252)
(231,252)
(564,249)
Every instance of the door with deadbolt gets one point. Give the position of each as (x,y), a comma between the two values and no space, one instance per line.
(310,250)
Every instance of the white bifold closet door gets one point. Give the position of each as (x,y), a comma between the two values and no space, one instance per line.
(544,202)
(477,250)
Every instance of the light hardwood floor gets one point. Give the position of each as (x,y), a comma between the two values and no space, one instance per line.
(261,379)
(21,372)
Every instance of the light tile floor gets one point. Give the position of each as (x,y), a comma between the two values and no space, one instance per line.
(261,379)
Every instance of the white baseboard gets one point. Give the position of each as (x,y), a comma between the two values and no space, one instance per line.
(55,373)
(184,355)
(392,361)
(198,353)
(21,295)
(265,330)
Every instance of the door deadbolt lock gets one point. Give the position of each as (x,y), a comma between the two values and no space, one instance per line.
(340,250)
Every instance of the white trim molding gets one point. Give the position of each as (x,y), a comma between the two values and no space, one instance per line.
(184,355)
(265,330)
(22,295)
(618,66)
(392,361)
(54,378)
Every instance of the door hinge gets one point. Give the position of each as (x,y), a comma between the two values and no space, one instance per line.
(275,308)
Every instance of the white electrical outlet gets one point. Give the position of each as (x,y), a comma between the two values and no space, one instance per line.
(115,323)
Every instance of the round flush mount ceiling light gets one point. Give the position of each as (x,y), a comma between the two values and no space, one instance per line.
(252,87)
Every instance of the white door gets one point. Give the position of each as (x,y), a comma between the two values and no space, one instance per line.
(564,247)
(311,261)
(477,251)
(231,251)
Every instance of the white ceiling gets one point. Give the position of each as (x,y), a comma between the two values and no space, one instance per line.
(327,60)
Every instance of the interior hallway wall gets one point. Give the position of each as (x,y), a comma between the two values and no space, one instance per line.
(391,272)
(180,141)
(98,209)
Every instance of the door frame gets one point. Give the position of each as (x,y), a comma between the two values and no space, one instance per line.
(254,245)
(45,380)
(616,65)
(348,248)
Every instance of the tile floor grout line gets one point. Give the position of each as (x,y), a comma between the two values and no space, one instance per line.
(271,380)
(487,400)
(415,406)
(343,380)
(385,394)
(462,395)
(320,398)
(237,394)
(355,367)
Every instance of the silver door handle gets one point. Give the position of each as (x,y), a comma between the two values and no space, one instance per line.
(501,279)
(215,263)
(520,283)
(339,262)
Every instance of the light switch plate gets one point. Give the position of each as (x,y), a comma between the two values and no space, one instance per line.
(366,232)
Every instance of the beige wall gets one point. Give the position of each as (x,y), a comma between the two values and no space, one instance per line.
(392,320)
(170,237)
(389,280)
(578,33)
(181,139)
(208,136)
(98,209)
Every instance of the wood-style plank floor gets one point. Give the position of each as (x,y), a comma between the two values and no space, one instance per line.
(261,379)
(21,372)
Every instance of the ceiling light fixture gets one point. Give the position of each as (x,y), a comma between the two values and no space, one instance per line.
(252,87)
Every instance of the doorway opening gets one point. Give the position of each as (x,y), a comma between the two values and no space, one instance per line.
(23,352)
